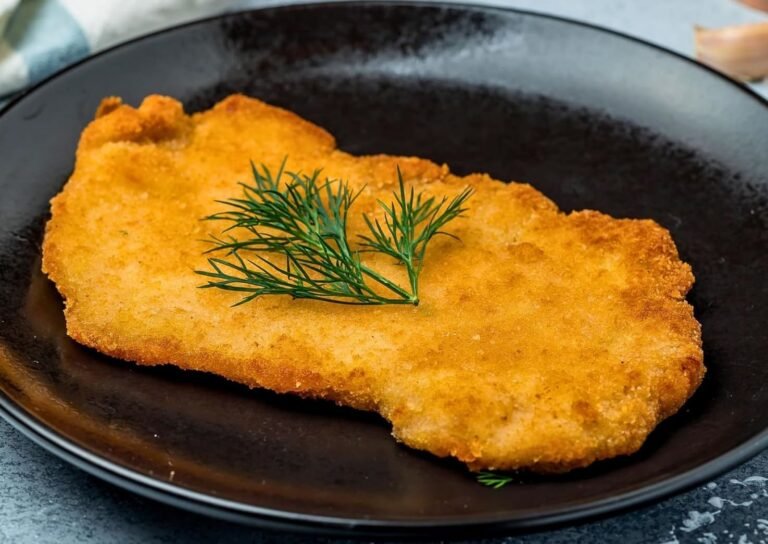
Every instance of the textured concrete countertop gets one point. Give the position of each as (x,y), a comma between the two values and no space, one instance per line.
(44,500)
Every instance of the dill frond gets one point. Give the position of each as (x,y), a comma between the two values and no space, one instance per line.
(303,221)
(494,479)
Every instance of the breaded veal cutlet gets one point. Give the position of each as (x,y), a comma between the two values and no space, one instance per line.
(543,340)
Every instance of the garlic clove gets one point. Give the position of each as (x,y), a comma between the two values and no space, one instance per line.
(762,5)
(740,51)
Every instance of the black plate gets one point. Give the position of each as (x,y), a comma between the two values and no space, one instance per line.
(592,118)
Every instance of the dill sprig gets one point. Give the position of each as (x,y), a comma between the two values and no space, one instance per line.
(303,222)
(493,479)
(403,237)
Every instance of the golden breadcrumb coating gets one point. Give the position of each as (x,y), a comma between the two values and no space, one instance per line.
(543,341)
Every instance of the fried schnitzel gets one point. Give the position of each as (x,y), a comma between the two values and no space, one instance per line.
(543,340)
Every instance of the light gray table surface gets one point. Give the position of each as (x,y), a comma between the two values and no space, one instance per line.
(45,500)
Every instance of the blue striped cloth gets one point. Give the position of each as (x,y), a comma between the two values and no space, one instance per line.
(38,37)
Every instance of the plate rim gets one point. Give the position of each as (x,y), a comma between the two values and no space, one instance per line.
(269,518)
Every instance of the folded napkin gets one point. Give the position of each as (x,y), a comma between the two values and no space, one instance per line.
(38,37)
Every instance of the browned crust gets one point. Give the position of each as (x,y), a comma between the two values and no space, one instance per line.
(545,341)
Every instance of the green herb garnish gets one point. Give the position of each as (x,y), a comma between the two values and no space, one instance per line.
(302,223)
(493,479)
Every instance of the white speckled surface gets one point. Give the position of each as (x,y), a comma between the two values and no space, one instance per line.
(44,500)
